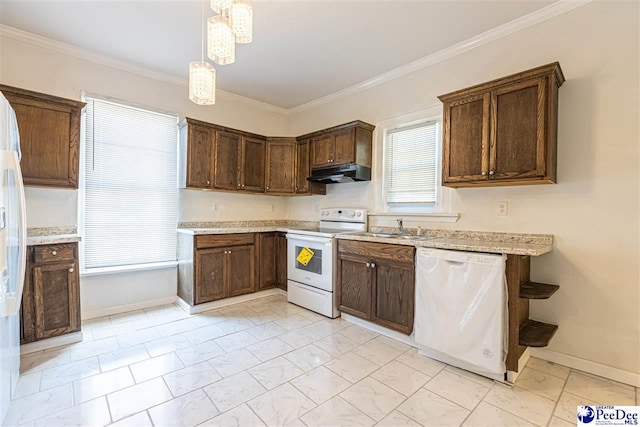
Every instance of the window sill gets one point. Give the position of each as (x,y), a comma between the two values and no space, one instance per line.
(429,216)
(127,268)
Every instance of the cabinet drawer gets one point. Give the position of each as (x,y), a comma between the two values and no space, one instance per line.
(54,253)
(217,240)
(398,253)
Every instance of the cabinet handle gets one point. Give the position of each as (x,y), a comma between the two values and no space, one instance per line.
(484,173)
(368,265)
(268,188)
(242,185)
(54,253)
(71,270)
(492,172)
(229,252)
(295,189)
(329,161)
(373,265)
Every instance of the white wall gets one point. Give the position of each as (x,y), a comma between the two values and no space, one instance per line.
(31,67)
(593,211)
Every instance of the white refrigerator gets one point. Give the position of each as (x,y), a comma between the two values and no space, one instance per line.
(13,237)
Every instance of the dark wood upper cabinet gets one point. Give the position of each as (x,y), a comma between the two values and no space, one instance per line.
(503,132)
(349,143)
(227,154)
(252,167)
(49,129)
(281,160)
(303,167)
(201,139)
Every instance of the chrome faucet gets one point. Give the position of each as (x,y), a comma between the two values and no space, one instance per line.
(400,226)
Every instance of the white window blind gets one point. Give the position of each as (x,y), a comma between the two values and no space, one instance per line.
(410,164)
(130,189)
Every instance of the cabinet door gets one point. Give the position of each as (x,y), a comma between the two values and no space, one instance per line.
(394,288)
(281,260)
(27,310)
(281,161)
(56,299)
(199,144)
(518,130)
(252,164)
(241,270)
(344,150)
(466,140)
(267,260)
(49,140)
(303,169)
(321,152)
(354,282)
(210,275)
(227,160)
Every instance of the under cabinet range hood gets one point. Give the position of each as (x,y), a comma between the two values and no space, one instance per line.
(340,174)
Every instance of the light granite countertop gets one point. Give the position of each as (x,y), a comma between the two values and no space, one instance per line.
(52,235)
(458,244)
(460,240)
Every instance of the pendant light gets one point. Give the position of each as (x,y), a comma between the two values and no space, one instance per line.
(202,76)
(241,19)
(221,43)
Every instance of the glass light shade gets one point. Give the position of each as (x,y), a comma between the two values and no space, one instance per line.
(221,44)
(241,18)
(219,6)
(202,83)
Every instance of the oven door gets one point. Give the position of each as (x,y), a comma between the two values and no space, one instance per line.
(318,272)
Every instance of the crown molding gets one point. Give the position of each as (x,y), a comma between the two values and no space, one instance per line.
(518,24)
(78,52)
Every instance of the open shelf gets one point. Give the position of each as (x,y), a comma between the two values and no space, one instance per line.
(536,334)
(535,290)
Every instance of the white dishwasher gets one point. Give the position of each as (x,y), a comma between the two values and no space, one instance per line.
(461,309)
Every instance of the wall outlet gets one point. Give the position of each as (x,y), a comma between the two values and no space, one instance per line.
(273,207)
(503,208)
(214,207)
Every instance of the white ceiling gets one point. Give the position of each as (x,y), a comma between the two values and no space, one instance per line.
(302,50)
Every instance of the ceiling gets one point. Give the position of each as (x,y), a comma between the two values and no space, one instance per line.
(302,50)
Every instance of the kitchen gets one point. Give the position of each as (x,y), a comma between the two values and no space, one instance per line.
(592,211)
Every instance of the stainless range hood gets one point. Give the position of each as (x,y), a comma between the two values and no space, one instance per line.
(340,174)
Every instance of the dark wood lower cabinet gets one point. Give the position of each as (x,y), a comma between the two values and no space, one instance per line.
(267,255)
(210,275)
(281,260)
(376,282)
(51,298)
(355,285)
(241,270)
(394,285)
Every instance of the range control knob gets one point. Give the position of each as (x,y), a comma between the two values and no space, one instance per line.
(352,214)
(359,214)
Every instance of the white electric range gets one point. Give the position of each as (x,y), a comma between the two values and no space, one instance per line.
(311,283)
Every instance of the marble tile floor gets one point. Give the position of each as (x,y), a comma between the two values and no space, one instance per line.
(267,362)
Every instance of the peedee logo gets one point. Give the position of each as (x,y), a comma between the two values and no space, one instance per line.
(608,415)
(586,414)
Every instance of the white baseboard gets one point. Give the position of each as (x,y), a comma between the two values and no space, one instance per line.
(225,302)
(522,362)
(48,343)
(406,339)
(588,366)
(117,309)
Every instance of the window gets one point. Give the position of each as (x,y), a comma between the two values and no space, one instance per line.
(130,195)
(410,165)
